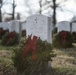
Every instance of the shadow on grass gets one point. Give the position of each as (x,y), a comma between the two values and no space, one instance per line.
(4,47)
(62,71)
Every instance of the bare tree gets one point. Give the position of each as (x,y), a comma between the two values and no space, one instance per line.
(54,12)
(18,16)
(30,11)
(1,3)
(8,19)
(54,5)
(40,4)
(13,10)
(43,6)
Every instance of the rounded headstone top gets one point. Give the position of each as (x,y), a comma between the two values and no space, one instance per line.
(62,23)
(40,15)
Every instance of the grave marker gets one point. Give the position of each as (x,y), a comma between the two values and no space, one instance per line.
(63,26)
(40,26)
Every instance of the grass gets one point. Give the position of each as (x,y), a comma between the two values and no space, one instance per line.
(65,61)
(63,64)
(6,64)
(63,71)
(2,47)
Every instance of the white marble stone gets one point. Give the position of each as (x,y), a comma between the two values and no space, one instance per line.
(40,26)
(73,27)
(4,25)
(24,26)
(63,26)
(14,26)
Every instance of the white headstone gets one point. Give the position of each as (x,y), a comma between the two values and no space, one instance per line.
(40,26)
(4,25)
(24,26)
(63,26)
(73,27)
(15,26)
(11,26)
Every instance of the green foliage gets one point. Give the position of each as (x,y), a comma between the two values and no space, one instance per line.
(6,67)
(74,37)
(55,30)
(62,39)
(8,40)
(23,33)
(2,32)
(26,65)
(63,71)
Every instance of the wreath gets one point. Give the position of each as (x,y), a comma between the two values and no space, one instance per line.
(10,38)
(31,56)
(62,39)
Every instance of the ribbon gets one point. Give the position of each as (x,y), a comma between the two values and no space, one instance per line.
(63,37)
(30,44)
(10,37)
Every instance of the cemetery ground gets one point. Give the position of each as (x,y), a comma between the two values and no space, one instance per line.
(63,64)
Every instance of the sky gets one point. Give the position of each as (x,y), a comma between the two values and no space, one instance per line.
(31,7)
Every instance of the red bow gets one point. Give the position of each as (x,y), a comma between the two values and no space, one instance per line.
(31,44)
(63,37)
(10,37)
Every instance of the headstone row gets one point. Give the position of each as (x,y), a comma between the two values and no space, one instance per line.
(63,26)
(66,26)
(13,25)
(38,25)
